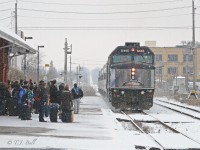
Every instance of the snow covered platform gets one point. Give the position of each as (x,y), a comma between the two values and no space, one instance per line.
(95,127)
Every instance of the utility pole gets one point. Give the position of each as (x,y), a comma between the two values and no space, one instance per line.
(193,46)
(193,92)
(16,17)
(25,62)
(186,70)
(79,76)
(16,29)
(38,66)
(70,70)
(65,65)
(38,63)
(77,73)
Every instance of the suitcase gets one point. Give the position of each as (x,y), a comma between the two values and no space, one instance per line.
(53,113)
(67,116)
(25,112)
(12,108)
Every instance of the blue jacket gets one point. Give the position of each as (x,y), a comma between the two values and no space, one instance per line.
(21,93)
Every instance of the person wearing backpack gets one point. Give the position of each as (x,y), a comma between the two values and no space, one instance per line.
(77,94)
(25,110)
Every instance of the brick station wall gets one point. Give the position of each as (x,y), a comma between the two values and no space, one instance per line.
(4,66)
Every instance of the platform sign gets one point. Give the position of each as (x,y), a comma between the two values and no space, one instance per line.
(46,65)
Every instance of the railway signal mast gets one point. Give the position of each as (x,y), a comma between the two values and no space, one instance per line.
(65,65)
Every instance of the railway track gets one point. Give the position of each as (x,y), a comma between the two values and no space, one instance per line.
(172,132)
(134,123)
(194,113)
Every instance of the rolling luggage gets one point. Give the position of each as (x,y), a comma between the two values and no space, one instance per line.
(67,116)
(25,112)
(53,112)
(12,108)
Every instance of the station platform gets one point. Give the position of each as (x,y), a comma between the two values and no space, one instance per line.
(95,127)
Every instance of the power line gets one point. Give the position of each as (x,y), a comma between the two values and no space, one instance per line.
(5,9)
(88,64)
(106,29)
(158,2)
(88,60)
(93,19)
(105,13)
(99,29)
(4,18)
(92,27)
(6,2)
(10,23)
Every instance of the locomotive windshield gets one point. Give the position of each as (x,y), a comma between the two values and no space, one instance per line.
(132,59)
(144,78)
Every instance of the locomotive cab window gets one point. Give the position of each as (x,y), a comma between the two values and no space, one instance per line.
(136,59)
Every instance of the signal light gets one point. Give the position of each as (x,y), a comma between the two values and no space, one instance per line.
(133,73)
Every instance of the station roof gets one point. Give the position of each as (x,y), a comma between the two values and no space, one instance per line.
(19,45)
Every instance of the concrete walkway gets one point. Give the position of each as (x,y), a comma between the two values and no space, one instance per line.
(95,127)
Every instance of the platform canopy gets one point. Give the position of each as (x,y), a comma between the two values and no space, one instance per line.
(18,45)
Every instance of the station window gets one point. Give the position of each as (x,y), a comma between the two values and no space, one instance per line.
(172,70)
(190,58)
(172,58)
(158,57)
(190,70)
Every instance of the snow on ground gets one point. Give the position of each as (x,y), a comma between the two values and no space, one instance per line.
(94,128)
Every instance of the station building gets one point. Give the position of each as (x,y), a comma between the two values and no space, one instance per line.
(11,46)
(172,61)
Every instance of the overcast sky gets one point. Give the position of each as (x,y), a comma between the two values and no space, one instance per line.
(96,27)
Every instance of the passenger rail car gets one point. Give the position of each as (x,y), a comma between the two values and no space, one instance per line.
(128,77)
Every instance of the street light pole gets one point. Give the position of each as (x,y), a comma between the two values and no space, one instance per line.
(38,62)
(25,65)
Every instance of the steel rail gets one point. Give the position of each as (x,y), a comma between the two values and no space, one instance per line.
(187,114)
(172,128)
(133,122)
(179,105)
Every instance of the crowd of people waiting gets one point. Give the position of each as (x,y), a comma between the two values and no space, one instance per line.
(24,98)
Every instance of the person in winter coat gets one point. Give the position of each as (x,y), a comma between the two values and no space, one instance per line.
(13,105)
(30,97)
(60,93)
(77,94)
(53,92)
(3,99)
(66,100)
(21,93)
(43,93)
(7,96)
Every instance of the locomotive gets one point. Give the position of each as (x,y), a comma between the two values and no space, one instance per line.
(128,77)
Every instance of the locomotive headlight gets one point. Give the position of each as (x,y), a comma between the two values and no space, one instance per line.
(142,92)
(122,92)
